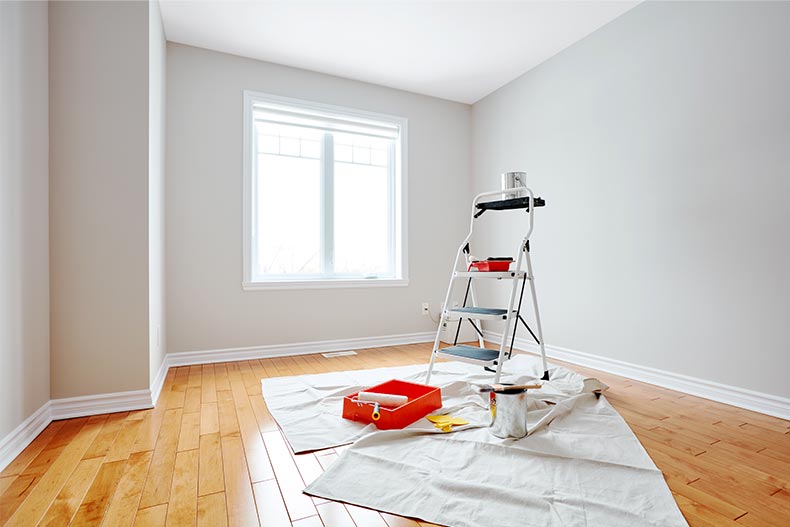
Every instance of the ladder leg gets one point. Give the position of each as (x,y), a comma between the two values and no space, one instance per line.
(435,349)
(480,339)
(511,318)
(538,325)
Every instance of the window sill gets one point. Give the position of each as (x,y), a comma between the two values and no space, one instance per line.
(323,284)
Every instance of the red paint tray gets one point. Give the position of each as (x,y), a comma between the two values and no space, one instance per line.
(423,399)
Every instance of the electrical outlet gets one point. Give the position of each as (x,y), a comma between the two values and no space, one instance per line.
(425,309)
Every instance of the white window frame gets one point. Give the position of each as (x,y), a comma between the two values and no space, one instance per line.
(398,197)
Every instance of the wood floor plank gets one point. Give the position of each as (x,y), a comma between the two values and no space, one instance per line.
(94,505)
(195,378)
(270,504)
(739,496)
(290,482)
(32,450)
(257,459)
(157,485)
(210,475)
(252,383)
(209,418)
(308,466)
(366,517)
(670,439)
(763,463)
(152,423)
(192,399)
(71,495)
(312,521)
(151,516)
(208,387)
(126,499)
(37,502)
(177,396)
(123,445)
(700,515)
(189,436)
(101,445)
(5,483)
(238,487)
(701,497)
(265,420)
(212,511)
(35,469)
(221,377)
(228,422)
(182,507)
(333,514)
(398,521)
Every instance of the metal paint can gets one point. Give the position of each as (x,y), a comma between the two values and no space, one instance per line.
(511,180)
(508,414)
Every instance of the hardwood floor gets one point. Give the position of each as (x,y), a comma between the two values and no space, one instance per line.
(210,454)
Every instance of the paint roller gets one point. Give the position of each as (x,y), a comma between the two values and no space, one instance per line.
(383,399)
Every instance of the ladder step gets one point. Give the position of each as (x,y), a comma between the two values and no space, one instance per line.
(483,313)
(490,274)
(470,353)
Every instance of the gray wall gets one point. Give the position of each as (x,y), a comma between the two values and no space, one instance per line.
(206,307)
(24,249)
(99,197)
(662,145)
(157,53)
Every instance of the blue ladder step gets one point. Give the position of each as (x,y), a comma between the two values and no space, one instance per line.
(490,313)
(471,352)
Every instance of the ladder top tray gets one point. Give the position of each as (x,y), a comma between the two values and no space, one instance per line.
(508,204)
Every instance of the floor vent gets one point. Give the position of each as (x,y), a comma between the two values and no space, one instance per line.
(338,354)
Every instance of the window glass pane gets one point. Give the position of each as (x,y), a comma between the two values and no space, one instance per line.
(289,221)
(268,144)
(362,155)
(362,240)
(378,157)
(311,148)
(342,152)
(289,146)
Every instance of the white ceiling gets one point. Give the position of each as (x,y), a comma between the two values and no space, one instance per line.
(458,50)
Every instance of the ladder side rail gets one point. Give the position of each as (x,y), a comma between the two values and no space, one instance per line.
(514,285)
(447,297)
(530,276)
(461,319)
(517,318)
(538,325)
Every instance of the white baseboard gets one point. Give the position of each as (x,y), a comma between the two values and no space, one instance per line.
(159,380)
(187,358)
(103,403)
(15,442)
(21,436)
(741,397)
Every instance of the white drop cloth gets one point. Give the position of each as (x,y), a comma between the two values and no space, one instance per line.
(580,466)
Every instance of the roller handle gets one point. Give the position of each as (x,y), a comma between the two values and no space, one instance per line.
(376,415)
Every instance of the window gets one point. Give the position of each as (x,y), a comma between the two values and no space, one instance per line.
(324,191)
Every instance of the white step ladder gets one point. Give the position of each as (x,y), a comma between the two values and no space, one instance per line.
(492,359)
